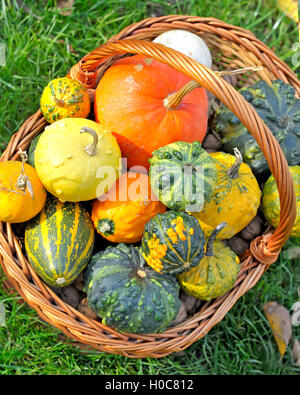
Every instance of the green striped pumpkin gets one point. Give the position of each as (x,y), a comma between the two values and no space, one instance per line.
(182,175)
(59,241)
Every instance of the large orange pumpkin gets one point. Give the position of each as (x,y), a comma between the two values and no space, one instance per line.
(132,101)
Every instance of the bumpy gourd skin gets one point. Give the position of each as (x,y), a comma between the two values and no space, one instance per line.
(234,200)
(129,296)
(214,276)
(173,242)
(66,170)
(182,175)
(64,98)
(59,241)
(271,203)
(278,107)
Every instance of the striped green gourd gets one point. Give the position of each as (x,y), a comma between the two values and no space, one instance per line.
(182,175)
(59,241)
(127,294)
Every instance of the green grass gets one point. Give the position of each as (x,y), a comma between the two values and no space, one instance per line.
(39,49)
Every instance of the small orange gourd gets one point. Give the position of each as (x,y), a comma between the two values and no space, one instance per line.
(22,195)
(127,207)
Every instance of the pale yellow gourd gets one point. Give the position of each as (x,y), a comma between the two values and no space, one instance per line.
(77,160)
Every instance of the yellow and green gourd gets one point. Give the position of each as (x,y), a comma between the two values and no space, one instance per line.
(235,199)
(59,241)
(173,242)
(271,203)
(215,274)
(77,160)
(64,98)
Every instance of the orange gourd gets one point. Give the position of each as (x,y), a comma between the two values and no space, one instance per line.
(134,99)
(22,195)
(127,207)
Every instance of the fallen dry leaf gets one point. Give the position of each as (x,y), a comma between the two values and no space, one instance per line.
(296,352)
(280,321)
(65,6)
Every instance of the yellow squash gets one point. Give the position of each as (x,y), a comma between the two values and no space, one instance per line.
(77,160)
(235,199)
(271,204)
(215,274)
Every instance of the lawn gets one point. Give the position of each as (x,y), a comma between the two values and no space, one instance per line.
(41,44)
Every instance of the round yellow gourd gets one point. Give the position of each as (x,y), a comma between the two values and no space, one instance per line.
(77,160)
(215,274)
(235,199)
(64,98)
(271,204)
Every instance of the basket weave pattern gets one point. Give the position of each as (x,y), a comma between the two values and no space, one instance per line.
(232,47)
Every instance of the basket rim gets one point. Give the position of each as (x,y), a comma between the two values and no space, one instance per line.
(87,331)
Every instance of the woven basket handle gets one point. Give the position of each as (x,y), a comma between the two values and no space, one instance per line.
(264,248)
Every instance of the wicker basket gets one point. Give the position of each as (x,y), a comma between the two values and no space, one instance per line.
(232,47)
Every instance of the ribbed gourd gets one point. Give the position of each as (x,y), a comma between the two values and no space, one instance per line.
(182,175)
(77,160)
(59,241)
(127,294)
(173,242)
(121,215)
(278,107)
(215,274)
(236,196)
(271,203)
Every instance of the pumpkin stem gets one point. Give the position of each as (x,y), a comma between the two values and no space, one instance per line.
(23,181)
(106,226)
(59,102)
(212,237)
(172,101)
(234,170)
(90,149)
(141,273)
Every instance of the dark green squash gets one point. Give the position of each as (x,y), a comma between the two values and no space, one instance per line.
(173,242)
(59,241)
(278,107)
(182,175)
(31,150)
(127,294)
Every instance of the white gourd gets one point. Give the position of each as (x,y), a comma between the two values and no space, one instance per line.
(187,43)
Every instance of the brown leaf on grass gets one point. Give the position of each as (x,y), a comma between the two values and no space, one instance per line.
(280,321)
(65,6)
(296,352)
